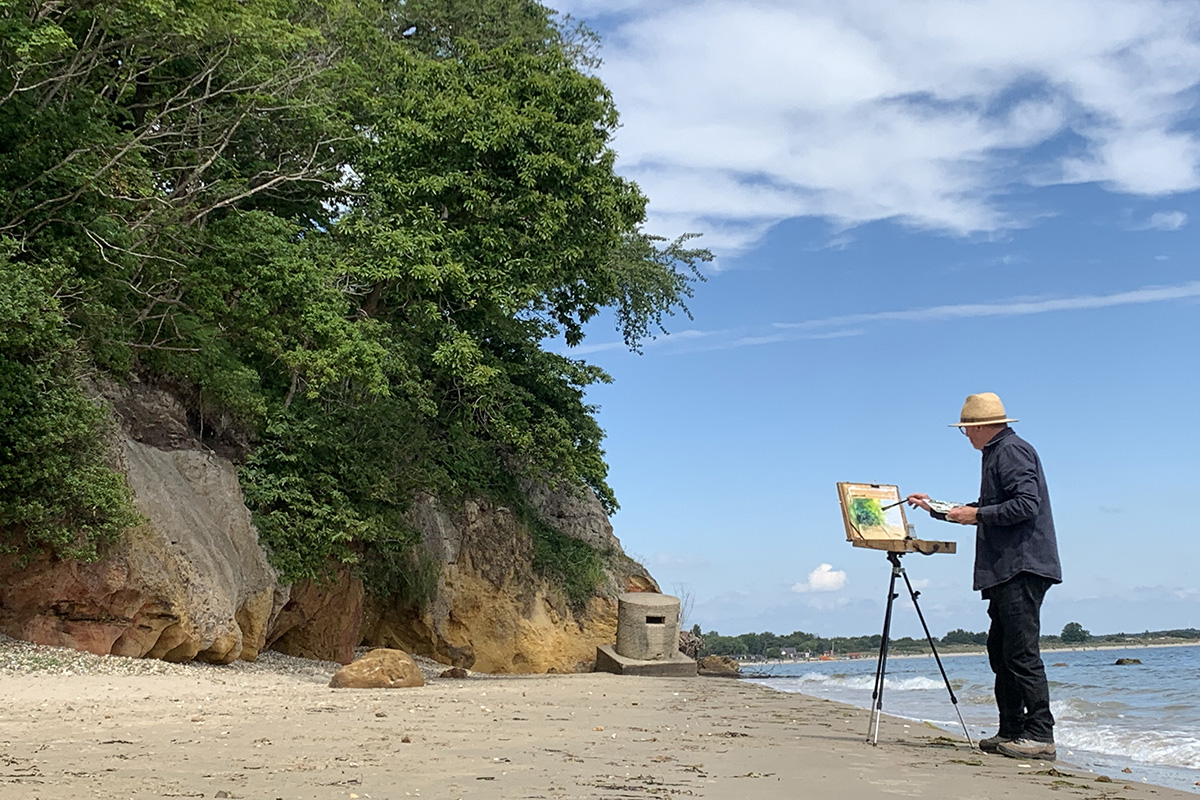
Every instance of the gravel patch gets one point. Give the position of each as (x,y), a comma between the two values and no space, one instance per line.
(24,658)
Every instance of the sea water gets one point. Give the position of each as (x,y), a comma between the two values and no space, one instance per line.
(1144,718)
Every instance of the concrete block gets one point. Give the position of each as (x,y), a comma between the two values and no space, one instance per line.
(679,666)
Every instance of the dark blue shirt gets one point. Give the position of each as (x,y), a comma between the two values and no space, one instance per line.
(1015,532)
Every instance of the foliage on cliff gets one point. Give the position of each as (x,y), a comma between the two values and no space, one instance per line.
(55,490)
(352,235)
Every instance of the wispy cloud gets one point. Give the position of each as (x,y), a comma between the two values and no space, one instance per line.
(678,337)
(848,325)
(593,347)
(837,334)
(783,336)
(740,113)
(1164,221)
(1010,308)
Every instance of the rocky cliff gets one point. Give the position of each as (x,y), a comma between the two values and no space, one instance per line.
(492,612)
(192,582)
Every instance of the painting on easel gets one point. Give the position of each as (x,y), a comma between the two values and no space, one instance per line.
(873,513)
(874,517)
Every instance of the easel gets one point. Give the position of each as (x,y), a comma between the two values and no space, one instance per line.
(877,532)
(881,666)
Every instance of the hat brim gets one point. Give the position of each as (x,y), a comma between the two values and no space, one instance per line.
(982,423)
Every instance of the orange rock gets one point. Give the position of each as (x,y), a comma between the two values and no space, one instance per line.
(321,621)
(492,612)
(379,669)
(720,667)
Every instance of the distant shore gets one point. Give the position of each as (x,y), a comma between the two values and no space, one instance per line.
(969,650)
(77,726)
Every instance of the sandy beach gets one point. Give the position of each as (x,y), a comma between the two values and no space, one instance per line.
(79,727)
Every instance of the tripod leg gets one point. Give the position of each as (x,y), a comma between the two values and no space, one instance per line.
(881,664)
(953,700)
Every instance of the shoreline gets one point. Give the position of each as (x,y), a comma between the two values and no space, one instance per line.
(273,729)
(974,651)
(1158,753)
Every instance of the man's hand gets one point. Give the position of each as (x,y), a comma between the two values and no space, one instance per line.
(918,501)
(965,515)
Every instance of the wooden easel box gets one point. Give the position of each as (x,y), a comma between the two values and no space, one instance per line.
(893,538)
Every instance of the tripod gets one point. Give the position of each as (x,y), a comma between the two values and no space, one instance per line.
(881,666)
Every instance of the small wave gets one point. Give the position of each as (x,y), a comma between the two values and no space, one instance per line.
(915,684)
(1163,748)
(851,682)
(1077,708)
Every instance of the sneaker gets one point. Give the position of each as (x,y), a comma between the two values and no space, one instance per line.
(1028,748)
(992,743)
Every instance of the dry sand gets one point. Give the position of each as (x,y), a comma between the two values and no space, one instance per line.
(279,732)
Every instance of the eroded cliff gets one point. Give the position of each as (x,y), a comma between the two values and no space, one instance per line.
(193,582)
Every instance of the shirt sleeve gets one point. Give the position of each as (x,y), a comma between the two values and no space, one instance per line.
(1018,478)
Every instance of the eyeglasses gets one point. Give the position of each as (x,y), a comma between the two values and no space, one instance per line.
(963,428)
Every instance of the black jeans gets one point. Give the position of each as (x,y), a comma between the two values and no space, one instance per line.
(1022,694)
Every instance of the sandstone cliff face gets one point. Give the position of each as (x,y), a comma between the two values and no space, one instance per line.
(194,583)
(492,612)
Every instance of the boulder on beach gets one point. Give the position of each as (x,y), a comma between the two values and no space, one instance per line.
(379,669)
(720,667)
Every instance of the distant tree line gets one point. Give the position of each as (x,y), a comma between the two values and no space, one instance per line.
(771,645)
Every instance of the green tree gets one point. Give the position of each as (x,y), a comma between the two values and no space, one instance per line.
(56,489)
(1074,633)
(351,237)
(960,636)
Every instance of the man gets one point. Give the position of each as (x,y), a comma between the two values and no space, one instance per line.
(1016,561)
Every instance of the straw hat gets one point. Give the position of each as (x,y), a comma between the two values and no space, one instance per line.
(982,409)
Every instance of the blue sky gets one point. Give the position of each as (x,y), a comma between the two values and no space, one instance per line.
(910,203)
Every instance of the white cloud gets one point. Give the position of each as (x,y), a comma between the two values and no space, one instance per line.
(740,113)
(822,579)
(1165,221)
